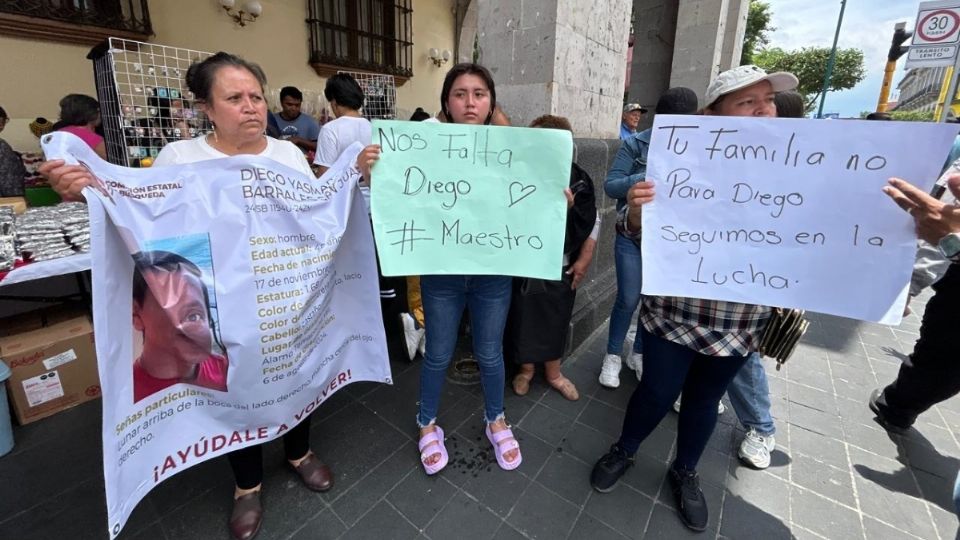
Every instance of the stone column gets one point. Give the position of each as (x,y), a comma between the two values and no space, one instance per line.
(654,28)
(737,12)
(564,57)
(701,25)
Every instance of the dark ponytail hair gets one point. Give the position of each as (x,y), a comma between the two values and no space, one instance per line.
(201,75)
(466,68)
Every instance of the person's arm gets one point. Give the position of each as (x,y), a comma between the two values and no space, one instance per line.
(101,149)
(629,167)
(929,267)
(579,268)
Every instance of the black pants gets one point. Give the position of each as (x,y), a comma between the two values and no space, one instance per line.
(393,302)
(669,368)
(247,463)
(932,372)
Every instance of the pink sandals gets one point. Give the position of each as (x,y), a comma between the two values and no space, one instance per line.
(435,439)
(503,442)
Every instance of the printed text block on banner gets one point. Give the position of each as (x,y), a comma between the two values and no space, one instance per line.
(462,199)
(786,212)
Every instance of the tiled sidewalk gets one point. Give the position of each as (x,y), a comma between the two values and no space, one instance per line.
(835,473)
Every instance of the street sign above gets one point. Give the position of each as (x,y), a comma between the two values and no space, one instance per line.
(936,35)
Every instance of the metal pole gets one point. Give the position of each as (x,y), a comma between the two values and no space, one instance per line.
(951,91)
(833,57)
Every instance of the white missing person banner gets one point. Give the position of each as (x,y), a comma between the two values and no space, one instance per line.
(786,212)
(231,298)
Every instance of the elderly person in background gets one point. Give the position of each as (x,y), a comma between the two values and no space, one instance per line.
(630,119)
(229,90)
(12,170)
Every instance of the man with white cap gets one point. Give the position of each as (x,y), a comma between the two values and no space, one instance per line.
(691,344)
(630,119)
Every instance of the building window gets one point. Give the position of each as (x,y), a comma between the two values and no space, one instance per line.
(75,21)
(366,35)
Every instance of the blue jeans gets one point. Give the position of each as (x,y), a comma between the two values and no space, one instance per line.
(750,397)
(444,297)
(629,280)
(668,368)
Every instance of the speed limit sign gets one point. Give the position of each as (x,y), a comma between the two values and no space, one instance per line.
(936,36)
(937,26)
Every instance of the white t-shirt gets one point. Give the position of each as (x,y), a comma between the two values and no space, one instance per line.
(193,150)
(336,135)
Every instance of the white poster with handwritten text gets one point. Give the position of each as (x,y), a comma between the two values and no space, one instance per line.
(231,298)
(786,212)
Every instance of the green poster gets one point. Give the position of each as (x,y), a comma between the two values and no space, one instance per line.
(464,199)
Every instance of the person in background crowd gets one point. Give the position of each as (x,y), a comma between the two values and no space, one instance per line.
(630,119)
(80,116)
(690,344)
(930,375)
(540,310)
(294,126)
(790,104)
(630,167)
(349,126)
(12,171)
(419,115)
(229,90)
(467,97)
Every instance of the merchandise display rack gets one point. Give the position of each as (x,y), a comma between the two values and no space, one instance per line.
(144,101)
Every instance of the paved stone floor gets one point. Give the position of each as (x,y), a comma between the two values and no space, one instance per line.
(835,473)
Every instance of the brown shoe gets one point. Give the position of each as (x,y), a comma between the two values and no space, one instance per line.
(246,517)
(315,474)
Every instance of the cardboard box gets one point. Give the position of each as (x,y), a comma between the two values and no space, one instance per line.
(54,364)
(19,204)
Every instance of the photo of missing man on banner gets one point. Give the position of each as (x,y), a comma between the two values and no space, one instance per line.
(175,326)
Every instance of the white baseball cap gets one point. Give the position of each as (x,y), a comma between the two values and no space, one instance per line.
(744,76)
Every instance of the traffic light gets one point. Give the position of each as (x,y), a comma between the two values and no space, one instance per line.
(897,48)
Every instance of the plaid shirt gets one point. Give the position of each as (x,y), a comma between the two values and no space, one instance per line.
(710,327)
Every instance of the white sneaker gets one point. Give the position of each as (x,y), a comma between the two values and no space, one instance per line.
(411,334)
(610,372)
(755,449)
(422,346)
(720,407)
(635,362)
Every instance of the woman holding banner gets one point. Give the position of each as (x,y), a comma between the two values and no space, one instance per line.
(230,91)
(468,97)
(691,344)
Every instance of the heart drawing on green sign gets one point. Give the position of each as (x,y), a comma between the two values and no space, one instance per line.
(519,192)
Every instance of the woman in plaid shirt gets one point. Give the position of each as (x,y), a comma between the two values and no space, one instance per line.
(691,345)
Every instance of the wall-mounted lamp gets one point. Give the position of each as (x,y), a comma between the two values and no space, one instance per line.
(248,12)
(439,57)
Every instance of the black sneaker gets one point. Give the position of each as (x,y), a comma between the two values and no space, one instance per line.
(608,470)
(691,504)
(884,419)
